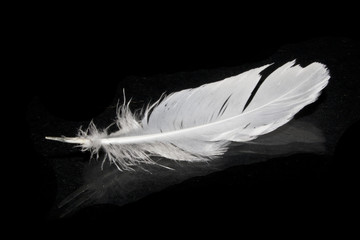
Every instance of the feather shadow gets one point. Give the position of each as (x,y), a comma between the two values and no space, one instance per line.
(109,186)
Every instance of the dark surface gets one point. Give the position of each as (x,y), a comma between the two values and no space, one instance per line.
(78,76)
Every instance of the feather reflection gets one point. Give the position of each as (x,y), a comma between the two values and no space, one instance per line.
(110,186)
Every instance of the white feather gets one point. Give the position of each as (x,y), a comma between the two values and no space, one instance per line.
(198,124)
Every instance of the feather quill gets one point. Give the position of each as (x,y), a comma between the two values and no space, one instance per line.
(198,124)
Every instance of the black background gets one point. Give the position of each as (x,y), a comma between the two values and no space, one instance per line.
(72,54)
(74,61)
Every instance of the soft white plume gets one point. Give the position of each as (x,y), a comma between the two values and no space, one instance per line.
(198,124)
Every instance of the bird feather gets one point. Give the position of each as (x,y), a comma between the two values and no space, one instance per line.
(198,124)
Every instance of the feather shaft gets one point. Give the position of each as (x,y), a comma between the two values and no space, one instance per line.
(74,140)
